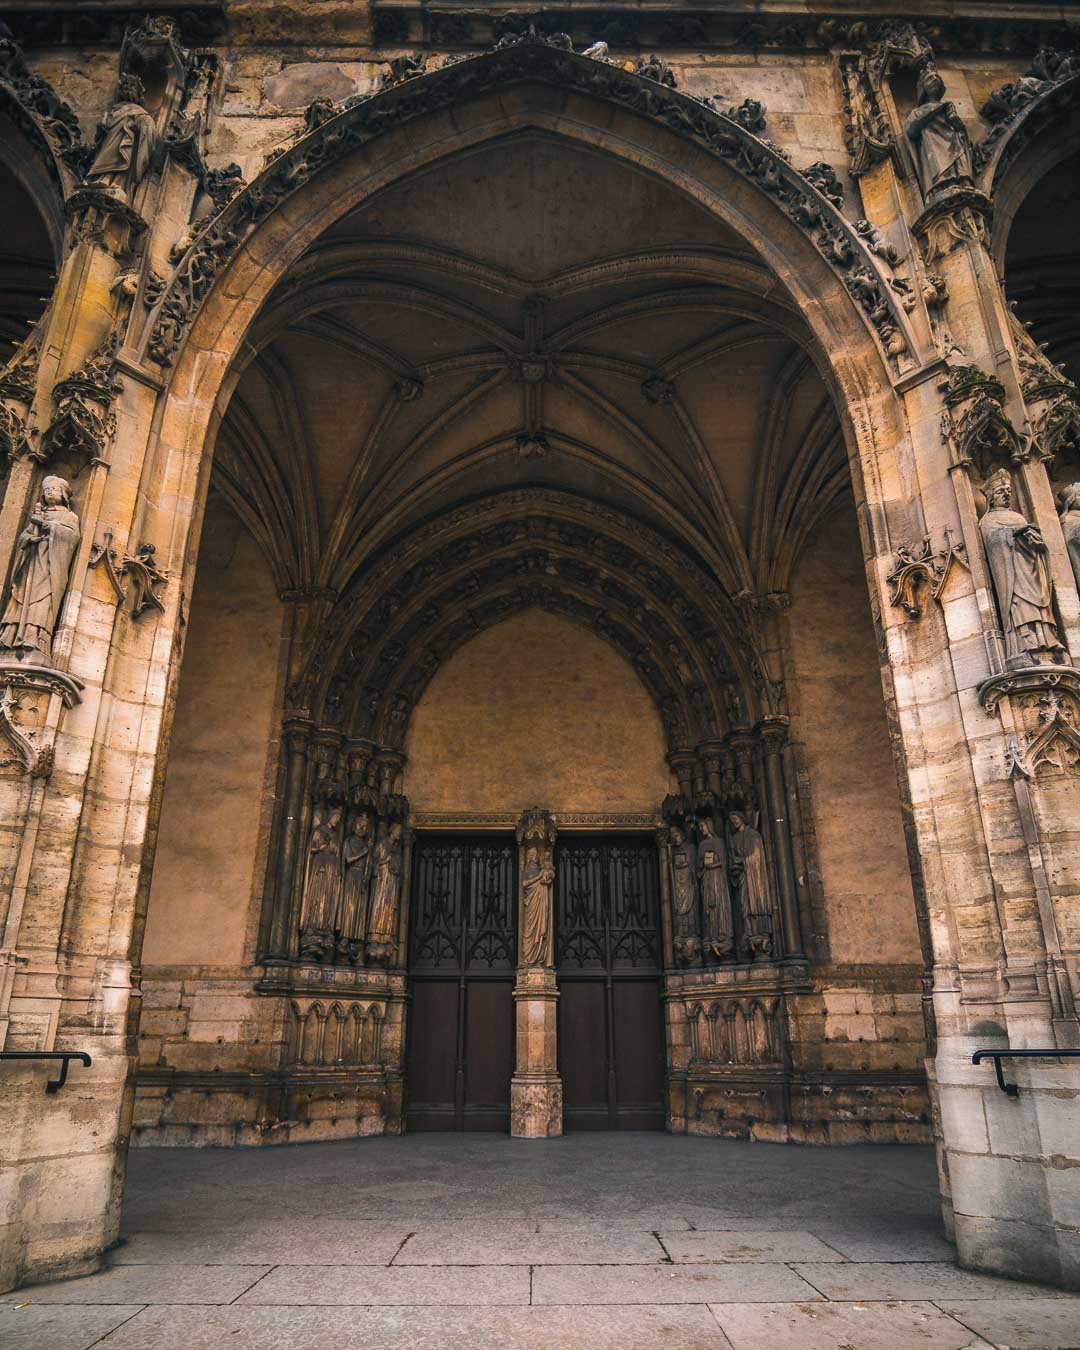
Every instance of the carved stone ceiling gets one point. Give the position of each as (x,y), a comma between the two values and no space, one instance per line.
(530,314)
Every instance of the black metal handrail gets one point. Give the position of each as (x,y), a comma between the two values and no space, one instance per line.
(65,1056)
(1011,1089)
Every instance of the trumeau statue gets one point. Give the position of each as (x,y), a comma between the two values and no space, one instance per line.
(356,859)
(684,893)
(323,884)
(537,879)
(382,921)
(1018,565)
(1070,526)
(129,142)
(717,930)
(750,880)
(43,557)
(938,137)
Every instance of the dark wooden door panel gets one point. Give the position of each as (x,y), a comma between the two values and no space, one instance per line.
(583,1054)
(463,950)
(432,1055)
(489,1053)
(607,931)
(639,1054)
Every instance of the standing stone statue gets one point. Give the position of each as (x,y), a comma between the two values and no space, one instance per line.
(356,859)
(382,921)
(750,880)
(684,895)
(322,886)
(1018,564)
(938,137)
(1070,526)
(537,880)
(43,556)
(128,145)
(717,929)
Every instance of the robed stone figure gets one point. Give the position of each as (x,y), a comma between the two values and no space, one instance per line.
(323,883)
(128,145)
(43,556)
(1017,556)
(684,895)
(382,921)
(717,930)
(1070,526)
(749,878)
(537,880)
(356,861)
(938,137)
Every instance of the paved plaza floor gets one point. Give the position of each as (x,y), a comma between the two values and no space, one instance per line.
(593,1240)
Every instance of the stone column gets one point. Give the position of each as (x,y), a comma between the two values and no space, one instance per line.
(295,740)
(773,736)
(536,1098)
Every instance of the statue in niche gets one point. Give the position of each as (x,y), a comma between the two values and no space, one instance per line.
(717,930)
(322,886)
(44,553)
(537,880)
(684,894)
(1070,526)
(938,137)
(382,921)
(128,144)
(749,879)
(356,859)
(1017,556)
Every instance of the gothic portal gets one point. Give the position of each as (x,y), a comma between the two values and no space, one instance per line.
(540,589)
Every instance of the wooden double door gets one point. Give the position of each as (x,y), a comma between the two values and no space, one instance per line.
(463,952)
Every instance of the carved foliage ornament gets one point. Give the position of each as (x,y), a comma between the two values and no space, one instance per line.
(919,565)
(25,694)
(360,120)
(146,576)
(975,424)
(84,422)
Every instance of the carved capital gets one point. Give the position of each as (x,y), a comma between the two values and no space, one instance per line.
(773,732)
(536,826)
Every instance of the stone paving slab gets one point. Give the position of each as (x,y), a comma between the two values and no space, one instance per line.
(841,1326)
(931,1280)
(147,1284)
(1021,1323)
(644,1221)
(641,1328)
(41,1326)
(904,1243)
(314,1242)
(668,1284)
(567,1247)
(743,1246)
(471,1286)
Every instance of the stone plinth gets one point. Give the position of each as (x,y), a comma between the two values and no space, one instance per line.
(536,1088)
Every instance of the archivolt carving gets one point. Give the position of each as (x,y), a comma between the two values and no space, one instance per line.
(359,120)
(1019,111)
(40,112)
(468,569)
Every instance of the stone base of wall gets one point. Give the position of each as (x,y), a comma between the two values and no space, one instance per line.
(253,1058)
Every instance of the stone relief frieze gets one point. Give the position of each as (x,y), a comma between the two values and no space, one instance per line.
(340,1034)
(736,1030)
(414,94)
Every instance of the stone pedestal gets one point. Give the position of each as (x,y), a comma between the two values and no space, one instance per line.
(536,1088)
